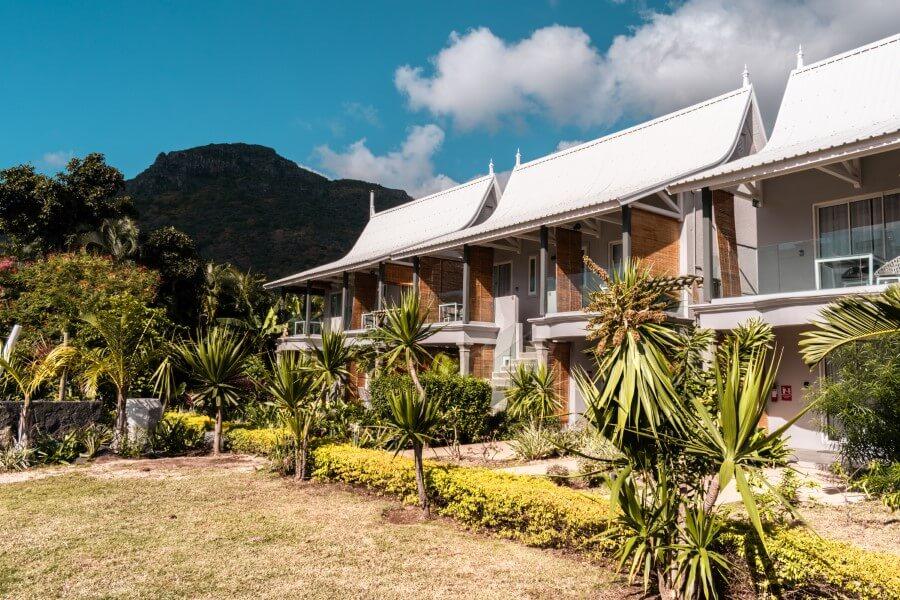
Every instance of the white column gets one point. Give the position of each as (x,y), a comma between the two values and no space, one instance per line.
(465,358)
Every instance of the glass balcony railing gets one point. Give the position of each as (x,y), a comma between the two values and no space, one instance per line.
(794,267)
(450,312)
(299,327)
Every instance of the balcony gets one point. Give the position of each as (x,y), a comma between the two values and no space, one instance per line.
(794,267)
(374,319)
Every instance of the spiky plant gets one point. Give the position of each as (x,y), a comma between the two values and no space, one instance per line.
(401,335)
(330,365)
(413,418)
(293,390)
(532,394)
(214,364)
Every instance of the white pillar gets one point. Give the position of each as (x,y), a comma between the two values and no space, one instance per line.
(465,358)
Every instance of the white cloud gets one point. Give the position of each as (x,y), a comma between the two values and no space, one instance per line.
(566,144)
(673,59)
(410,168)
(58,159)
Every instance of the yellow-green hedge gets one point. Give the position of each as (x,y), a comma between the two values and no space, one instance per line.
(529,509)
(801,557)
(253,441)
(191,420)
(537,512)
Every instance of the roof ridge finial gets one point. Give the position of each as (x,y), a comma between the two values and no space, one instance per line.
(371,203)
(800,56)
(518,157)
(745,76)
(491,167)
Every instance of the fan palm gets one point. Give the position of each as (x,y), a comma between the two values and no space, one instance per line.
(293,392)
(852,319)
(214,364)
(28,374)
(330,364)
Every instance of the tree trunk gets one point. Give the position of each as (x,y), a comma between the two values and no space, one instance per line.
(23,440)
(62,377)
(420,479)
(712,494)
(217,431)
(301,464)
(415,378)
(121,432)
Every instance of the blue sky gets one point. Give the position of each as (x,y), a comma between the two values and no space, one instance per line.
(410,94)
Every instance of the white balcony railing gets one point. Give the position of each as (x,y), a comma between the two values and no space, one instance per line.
(299,327)
(373,320)
(450,312)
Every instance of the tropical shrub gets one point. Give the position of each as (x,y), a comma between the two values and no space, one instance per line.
(15,459)
(94,439)
(881,480)
(192,420)
(464,403)
(533,442)
(559,474)
(176,437)
(859,401)
(531,395)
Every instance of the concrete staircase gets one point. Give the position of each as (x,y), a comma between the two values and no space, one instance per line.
(500,379)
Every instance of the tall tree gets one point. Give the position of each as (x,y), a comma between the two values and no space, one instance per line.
(40,214)
(293,391)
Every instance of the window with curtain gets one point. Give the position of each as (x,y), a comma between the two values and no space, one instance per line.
(891,226)
(502,280)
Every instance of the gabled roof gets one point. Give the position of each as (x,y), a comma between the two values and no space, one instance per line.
(613,170)
(844,106)
(411,223)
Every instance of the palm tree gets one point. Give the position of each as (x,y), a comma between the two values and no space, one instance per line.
(125,351)
(330,364)
(117,238)
(28,374)
(413,417)
(214,365)
(852,319)
(293,388)
(532,394)
(400,338)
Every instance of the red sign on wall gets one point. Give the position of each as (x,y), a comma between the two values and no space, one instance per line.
(786,394)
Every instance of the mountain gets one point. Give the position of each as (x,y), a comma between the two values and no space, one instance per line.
(246,205)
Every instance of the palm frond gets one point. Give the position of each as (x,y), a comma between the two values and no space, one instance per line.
(852,319)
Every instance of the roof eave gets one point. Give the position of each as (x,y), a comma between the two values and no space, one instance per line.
(804,162)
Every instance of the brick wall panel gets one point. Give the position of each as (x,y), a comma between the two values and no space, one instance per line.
(365,297)
(569,268)
(481,361)
(726,240)
(398,274)
(481,285)
(558,359)
(655,239)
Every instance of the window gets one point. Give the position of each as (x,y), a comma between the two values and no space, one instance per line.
(615,256)
(855,238)
(532,275)
(334,305)
(502,279)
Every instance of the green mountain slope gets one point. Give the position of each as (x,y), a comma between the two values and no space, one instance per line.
(246,205)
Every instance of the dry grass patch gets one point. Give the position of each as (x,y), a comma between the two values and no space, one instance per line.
(200,529)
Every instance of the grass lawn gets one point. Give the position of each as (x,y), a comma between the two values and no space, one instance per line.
(208,528)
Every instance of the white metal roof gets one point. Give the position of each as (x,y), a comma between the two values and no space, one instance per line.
(840,107)
(616,169)
(411,223)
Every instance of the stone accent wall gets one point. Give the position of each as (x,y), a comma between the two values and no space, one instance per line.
(437,277)
(726,239)
(50,417)
(481,361)
(398,274)
(481,286)
(365,297)
(569,268)
(655,239)
(558,361)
